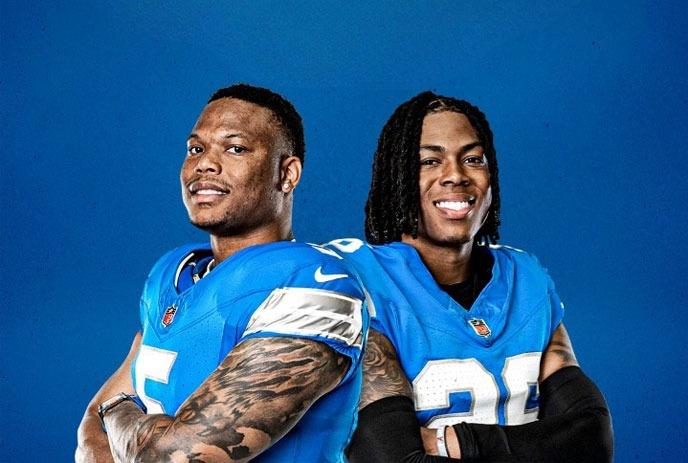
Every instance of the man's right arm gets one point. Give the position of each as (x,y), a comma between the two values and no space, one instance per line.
(93,446)
(388,431)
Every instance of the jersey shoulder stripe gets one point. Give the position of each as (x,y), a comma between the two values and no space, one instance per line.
(309,312)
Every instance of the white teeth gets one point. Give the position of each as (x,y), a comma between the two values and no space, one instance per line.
(210,192)
(453,205)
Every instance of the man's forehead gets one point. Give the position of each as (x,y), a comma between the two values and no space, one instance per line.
(447,123)
(235,114)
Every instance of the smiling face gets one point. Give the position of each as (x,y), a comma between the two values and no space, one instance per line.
(231,174)
(454,179)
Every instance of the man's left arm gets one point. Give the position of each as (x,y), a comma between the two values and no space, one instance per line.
(574,421)
(256,395)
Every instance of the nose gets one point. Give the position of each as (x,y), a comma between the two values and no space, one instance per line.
(453,174)
(208,163)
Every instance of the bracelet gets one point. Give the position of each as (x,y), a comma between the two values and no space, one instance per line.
(441,442)
(112,402)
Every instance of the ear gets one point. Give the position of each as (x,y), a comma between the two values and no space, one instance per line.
(290,173)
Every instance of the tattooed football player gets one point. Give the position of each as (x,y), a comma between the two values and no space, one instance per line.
(250,346)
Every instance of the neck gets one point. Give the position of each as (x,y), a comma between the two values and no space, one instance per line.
(225,246)
(448,263)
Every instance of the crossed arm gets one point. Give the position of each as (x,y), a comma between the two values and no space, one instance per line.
(559,354)
(256,395)
(93,446)
(387,395)
(384,377)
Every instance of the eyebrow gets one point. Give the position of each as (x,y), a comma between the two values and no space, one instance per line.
(229,135)
(440,149)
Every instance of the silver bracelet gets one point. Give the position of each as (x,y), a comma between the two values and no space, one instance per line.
(441,442)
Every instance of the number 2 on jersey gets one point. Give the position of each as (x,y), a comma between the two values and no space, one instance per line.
(439,378)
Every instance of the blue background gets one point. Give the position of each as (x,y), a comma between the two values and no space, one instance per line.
(587,102)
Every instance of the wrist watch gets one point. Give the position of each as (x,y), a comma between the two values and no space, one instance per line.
(112,402)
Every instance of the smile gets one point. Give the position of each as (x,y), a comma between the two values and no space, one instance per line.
(207,191)
(455,208)
(204,187)
(453,205)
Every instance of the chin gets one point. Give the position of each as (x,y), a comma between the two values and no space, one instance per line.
(204,225)
(207,221)
(450,240)
(225,226)
(448,235)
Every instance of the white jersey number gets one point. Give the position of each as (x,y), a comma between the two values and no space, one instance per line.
(154,364)
(439,378)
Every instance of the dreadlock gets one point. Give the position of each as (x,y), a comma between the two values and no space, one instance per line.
(392,208)
(283,110)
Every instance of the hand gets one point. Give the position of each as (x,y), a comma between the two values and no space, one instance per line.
(429,440)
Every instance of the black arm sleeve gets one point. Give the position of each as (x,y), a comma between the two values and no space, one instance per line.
(388,432)
(574,426)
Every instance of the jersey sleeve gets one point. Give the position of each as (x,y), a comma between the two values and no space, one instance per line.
(556,305)
(143,311)
(322,300)
(360,258)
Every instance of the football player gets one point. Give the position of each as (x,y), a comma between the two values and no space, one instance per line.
(464,331)
(250,346)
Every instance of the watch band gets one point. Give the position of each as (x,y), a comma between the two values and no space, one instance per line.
(441,441)
(112,402)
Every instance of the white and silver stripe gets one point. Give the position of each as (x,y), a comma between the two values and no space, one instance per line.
(309,312)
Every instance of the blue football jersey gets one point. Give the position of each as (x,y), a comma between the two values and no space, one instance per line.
(480,365)
(277,289)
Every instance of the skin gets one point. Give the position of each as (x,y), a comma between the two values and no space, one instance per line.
(258,393)
(93,445)
(235,148)
(452,168)
(237,181)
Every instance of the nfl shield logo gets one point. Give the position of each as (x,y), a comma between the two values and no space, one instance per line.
(480,327)
(168,318)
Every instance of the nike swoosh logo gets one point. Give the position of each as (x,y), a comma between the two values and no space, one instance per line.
(320,278)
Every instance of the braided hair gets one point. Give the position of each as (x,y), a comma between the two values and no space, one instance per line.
(283,110)
(393,202)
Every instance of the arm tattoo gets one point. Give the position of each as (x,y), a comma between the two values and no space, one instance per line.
(560,345)
(559,353)
(382,373)
(258,393)
(563,350)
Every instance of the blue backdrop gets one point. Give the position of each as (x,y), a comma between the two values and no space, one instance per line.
(587,102)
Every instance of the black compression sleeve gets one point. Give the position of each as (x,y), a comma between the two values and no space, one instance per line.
(388,432)
(574,426)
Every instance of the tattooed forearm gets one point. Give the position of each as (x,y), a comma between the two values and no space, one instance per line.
(93,445)
(129,429)
(559,353)
(382,373)
(255,396)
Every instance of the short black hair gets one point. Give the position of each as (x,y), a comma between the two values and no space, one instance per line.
(283,110)
(392,208)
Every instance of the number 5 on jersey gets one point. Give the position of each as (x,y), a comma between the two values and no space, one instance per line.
(154,364)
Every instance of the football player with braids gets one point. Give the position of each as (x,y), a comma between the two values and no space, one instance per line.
(466,338)
(250,345)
